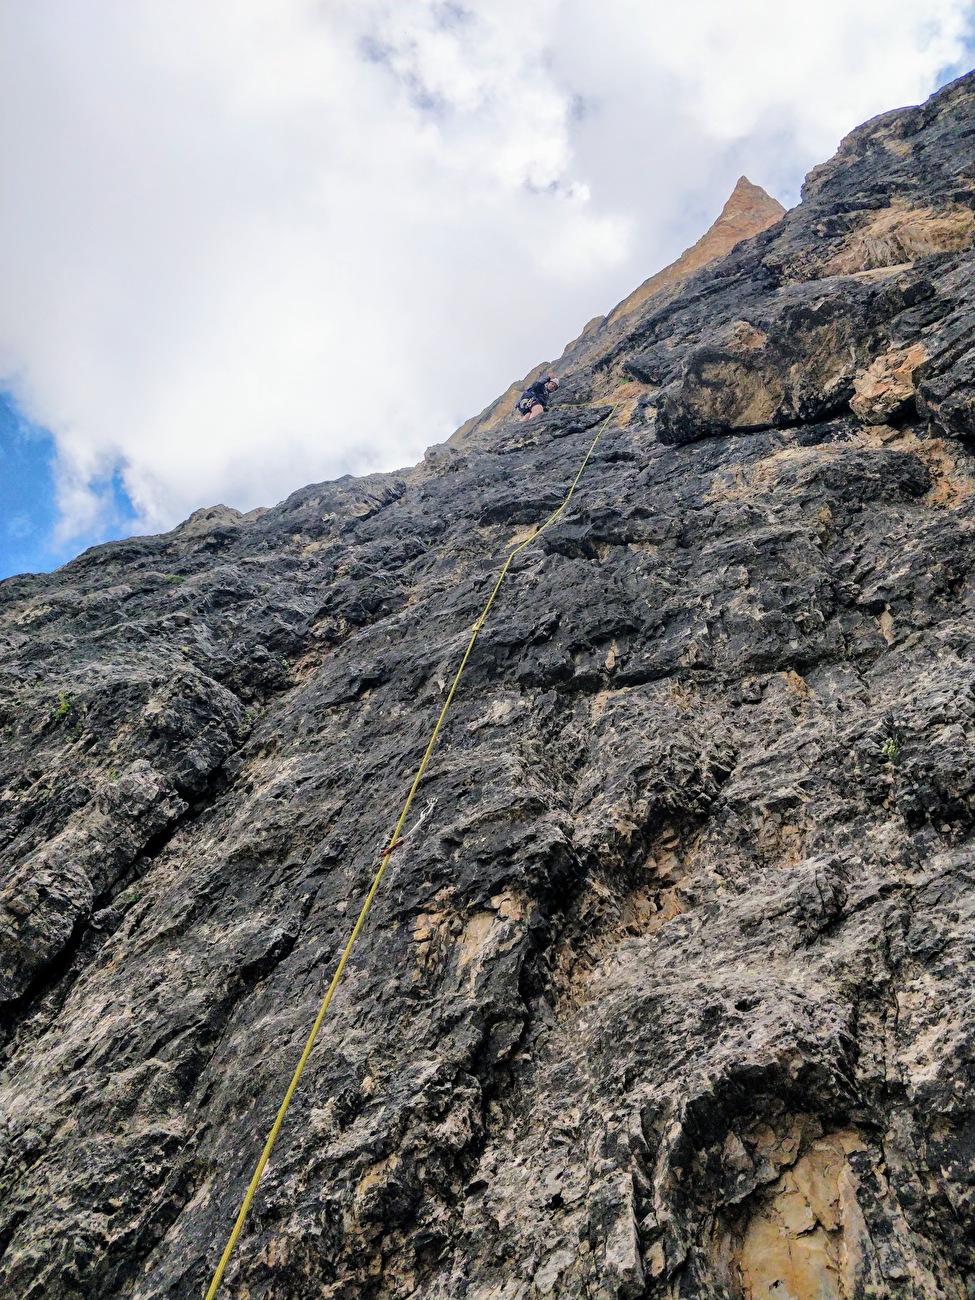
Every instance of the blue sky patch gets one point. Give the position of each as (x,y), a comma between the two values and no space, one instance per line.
(28,500)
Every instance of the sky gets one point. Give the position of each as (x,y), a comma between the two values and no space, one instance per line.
(251,244)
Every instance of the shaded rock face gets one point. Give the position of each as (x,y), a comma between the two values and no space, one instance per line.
(673,994)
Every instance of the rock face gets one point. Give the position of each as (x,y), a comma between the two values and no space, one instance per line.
(674,994)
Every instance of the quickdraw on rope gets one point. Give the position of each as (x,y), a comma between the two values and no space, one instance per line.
(396,840)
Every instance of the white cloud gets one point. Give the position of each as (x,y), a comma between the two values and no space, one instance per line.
(260,242)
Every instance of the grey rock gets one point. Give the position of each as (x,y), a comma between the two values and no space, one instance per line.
(672,995)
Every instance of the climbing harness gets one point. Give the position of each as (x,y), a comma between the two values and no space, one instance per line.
(536,394)
(396,839)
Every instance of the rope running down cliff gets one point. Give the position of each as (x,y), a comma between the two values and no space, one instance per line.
(384,860)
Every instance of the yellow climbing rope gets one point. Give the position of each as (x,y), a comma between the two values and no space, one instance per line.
(384,860)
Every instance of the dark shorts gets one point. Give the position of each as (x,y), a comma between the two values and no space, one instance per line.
(525,403)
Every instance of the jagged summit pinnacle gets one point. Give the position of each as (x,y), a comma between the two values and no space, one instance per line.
(748,211)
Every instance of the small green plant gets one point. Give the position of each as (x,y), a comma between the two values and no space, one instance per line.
(173,579)
(62,708)
(890,749)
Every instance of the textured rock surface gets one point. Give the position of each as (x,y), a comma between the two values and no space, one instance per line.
(675,993)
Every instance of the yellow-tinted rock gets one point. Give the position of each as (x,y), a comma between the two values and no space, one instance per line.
(900,233)
(803,1241)
(886,386)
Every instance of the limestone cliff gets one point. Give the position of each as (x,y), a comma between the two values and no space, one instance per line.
(675,993)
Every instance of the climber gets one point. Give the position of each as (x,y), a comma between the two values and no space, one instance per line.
(534,400)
